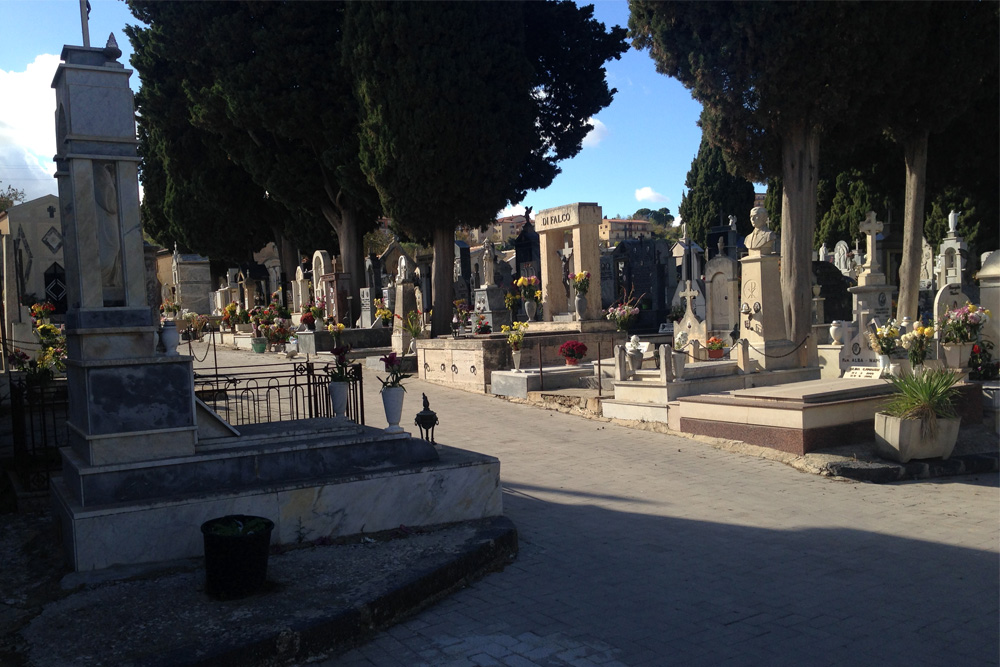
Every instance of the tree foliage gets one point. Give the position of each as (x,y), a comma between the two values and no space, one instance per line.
(262,83)
(713,194)
(773,78)
(661,216)
(463,113)
(9,196)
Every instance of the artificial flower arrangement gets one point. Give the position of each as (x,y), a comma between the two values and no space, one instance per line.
(412,324)
(383,313)
(394,368)
(168,307)
(510,300)
(962,325)
(573,349)
(515,334)
(51,357)
(916,342)
(482,324)
(529,288)
(581,282)
(883,339)
(622,314)
(714,343)
(42,309)
(982,364)
(278,332)
(229,314)
(461,312)
(308,320)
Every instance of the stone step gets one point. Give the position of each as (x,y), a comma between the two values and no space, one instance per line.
(641,392)
(618,409)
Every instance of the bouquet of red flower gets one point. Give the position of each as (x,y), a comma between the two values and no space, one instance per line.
(573,349)
(308,320)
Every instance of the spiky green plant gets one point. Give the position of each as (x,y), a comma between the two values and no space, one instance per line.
(926,397)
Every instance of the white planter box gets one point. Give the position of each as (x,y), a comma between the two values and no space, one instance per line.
(901,439)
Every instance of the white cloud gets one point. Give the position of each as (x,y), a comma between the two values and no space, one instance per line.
(597,133)
(511,210)
(27,130)
(649,194)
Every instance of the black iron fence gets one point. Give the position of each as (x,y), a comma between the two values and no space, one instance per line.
(240,395)
(277,392)
(37,429)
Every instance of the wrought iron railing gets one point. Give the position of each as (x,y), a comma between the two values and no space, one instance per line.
(38,428)
(276,392)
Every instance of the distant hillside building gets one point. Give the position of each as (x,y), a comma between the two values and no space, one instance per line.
(615,231)
(758,198)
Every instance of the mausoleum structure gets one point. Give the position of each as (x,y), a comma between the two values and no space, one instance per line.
(582,221)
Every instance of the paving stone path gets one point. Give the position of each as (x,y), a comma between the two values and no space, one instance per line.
(641,548)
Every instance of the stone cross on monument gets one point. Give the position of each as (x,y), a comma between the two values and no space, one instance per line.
(689,295)
(870,227)
(84,15)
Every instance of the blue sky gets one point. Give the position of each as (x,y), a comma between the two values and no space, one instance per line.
(637,155)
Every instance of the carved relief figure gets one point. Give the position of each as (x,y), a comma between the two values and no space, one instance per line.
(108,235)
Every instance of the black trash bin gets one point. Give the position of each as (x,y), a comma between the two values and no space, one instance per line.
(236,551)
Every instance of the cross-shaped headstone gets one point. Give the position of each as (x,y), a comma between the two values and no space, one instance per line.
(567,250)
(870,227)
(689,295)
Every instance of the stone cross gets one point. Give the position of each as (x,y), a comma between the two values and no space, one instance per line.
(870,227)
(84,15)
(689,295)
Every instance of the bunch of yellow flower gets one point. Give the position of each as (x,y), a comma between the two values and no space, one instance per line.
(528,285)
(515,334)
(915,343)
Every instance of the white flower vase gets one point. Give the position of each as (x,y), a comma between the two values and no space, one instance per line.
(581,306)
(413,346)
(339,392)
(884,364)
(516,356)
(530,308)
(170,337)
(392,403)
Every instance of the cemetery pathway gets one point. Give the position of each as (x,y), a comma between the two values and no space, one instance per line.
(641,548)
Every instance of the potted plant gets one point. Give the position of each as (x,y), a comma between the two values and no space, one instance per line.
(515,338)
(915,343)
(714,346)
(236,551)
(573,351)
(581,283)
(392,391)
(412,326)
(960,329)
(883,340)
(919,420)
(482,325)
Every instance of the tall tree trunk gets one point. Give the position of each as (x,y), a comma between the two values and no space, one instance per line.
(351,256)
(799,174)
(915,154)
(345,225)
(443,279)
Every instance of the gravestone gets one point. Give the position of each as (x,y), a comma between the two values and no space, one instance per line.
(762,310)
(192,278)
(872,293)
(405,303)
(729,238)
(723,295)
(926,265)
(367,308)
(642,269)
(687,257)
(489,301)
(690,328)
(950,297)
